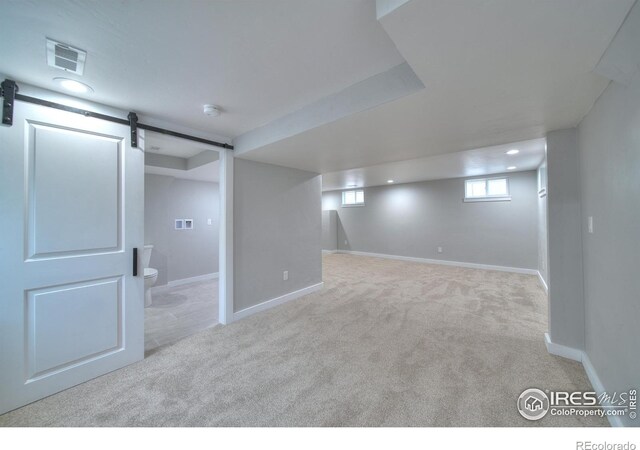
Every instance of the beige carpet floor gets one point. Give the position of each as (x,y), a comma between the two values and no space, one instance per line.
(180,311)
(385,343)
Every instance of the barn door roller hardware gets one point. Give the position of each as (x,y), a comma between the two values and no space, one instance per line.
(133,123)
(9,93)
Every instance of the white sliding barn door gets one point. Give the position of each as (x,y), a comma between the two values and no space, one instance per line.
(71,212)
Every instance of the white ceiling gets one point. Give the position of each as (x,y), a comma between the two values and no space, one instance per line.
(181,148)
(469,163)
(258,60)
(494,72)
(163,144)
(208,172)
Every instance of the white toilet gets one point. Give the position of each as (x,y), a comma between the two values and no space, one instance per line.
(150,275)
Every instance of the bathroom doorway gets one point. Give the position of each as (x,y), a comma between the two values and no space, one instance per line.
(182,239)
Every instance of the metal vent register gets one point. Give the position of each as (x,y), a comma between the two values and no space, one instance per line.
(65,57)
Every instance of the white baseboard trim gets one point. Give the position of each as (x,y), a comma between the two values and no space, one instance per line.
(581,356)
(276,301)
(562,350)
(543,283)
(174,283)
(206,276)
(443,262)
(328,252)
(598,387)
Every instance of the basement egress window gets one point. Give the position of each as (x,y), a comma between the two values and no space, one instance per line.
(486,190)
(353,198)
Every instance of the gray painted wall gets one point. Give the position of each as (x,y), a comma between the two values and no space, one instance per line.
(277,227)
(543,250)
(181,254)
(330,230)
(609,142)
(566,306)
(413,219)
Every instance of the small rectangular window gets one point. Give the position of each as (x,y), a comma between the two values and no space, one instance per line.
(486,189)
(497,187)
(353,198)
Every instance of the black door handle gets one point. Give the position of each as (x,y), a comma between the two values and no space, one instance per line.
(135,262)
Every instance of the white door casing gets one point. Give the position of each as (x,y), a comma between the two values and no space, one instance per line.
(71,212)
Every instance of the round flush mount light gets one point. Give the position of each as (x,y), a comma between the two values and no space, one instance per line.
(511,168)
(513,151)
(389,181)
(212,110)
(73,86)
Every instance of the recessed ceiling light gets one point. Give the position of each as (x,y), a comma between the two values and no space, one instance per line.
(211,110)
(352,185)
(389,181)
(73,85)
(511,168)
(513,151)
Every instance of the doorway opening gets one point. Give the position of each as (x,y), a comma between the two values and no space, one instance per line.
(182,217)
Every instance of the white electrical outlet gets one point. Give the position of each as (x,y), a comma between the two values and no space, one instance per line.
(208,221)
(590,224)
(285,275)
(439,249)
(345,242)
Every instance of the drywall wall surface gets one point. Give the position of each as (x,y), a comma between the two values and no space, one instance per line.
(330,230)
(414,219)
(566,304)
(277,228)
(181,254)
(609,141)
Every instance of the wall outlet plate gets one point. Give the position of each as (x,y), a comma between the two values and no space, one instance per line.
(184,224)
(285,275)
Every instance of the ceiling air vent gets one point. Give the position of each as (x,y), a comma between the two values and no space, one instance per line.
(65,57)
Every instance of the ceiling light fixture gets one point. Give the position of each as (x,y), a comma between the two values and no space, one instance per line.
(513,151)
(212,110)
(511,168)
(389,181)
(73,86)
